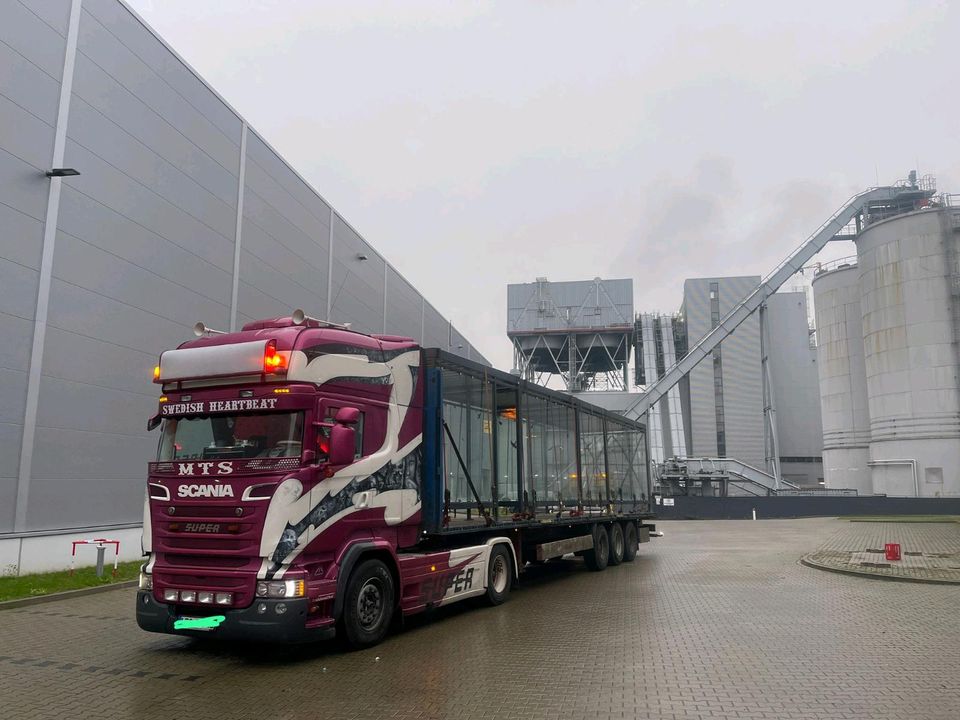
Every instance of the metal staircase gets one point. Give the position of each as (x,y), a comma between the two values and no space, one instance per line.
(852,210)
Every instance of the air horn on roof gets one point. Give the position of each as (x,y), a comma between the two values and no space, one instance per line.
(299,318)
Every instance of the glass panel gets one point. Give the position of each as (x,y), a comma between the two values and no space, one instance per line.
(507,443)
(591,460)
(232,436)
(627,464)
(560,451)
(468,411)
(535,437)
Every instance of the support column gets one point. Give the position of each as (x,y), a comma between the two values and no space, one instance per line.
(46,274)
(330,267)
(239,227)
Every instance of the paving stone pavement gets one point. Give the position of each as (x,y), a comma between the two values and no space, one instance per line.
(715,620)
(930,552)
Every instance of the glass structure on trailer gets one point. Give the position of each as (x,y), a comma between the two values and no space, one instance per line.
(517,452)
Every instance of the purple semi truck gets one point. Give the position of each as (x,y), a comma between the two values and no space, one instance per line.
(311,481)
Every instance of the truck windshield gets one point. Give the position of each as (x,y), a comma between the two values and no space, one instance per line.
(232,436)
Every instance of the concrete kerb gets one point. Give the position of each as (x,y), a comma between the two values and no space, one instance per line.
(66,595)
(805,560)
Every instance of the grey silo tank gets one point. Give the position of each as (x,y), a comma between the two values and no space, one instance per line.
(908,265)
(843,380)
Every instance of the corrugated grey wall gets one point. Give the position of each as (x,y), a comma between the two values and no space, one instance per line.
(145,245)
(796,387)
(742,388)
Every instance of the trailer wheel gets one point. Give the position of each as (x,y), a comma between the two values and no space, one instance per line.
(598,557)
(499,575)
(617,549)
(368,604)
(629,541)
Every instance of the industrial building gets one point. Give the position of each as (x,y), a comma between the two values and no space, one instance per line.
(135,201)
(888,324)
(584,333)
(580,331)
(727,410)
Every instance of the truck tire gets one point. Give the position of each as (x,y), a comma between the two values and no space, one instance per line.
(598,557)
(368,604)
(617,545)
(630,545)
(499,575)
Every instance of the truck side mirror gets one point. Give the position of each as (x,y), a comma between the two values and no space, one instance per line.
(342,444)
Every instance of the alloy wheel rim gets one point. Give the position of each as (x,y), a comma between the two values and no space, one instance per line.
(370,603)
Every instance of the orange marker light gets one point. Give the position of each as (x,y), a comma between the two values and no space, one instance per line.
(156,373)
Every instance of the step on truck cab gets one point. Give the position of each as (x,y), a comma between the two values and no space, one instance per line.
(311,480)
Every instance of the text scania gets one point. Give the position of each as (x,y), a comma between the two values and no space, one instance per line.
(195,491)
(199,408)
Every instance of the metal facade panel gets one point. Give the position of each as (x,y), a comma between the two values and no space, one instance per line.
(97,91)
(22,186)
(793,370)
(102,46)
(155,54)
(78,358)
(298,197)
(85,312)
(175,259)
(740,362)
(357,284)
(30,88)
(25,29)
(404,306)
(21,241)
(138,202)
(435,329)
(101,136)
(574,304)
(57,504)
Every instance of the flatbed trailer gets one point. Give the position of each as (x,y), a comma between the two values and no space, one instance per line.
(313,481)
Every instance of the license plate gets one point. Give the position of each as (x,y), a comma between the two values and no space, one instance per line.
(204,624)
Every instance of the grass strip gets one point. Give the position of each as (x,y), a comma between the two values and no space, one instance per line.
(25,586)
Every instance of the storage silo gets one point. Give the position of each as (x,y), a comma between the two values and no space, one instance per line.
(909,290)
(843,379)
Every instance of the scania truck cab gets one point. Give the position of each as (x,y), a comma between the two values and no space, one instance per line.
(313,480)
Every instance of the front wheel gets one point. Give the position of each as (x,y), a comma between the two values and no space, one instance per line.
(499,575)
(368,605)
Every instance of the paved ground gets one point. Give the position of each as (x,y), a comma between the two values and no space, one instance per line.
(929,552)
(716,620)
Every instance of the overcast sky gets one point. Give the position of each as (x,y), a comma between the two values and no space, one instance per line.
(479,144)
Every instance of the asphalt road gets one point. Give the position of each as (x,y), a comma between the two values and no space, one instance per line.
(715,620)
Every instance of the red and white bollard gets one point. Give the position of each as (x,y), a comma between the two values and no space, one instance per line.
(100,544)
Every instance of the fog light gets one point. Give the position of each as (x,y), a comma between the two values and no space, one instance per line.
(224,598)
(146,581)
(205,597)
(146,599)
(261,608)
(170,595)
(188,595)
(281,608)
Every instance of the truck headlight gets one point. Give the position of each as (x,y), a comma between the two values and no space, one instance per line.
(146,581)
(282,589)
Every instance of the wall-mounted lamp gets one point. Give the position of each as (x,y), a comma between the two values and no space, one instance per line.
(362,256)
(62,172)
